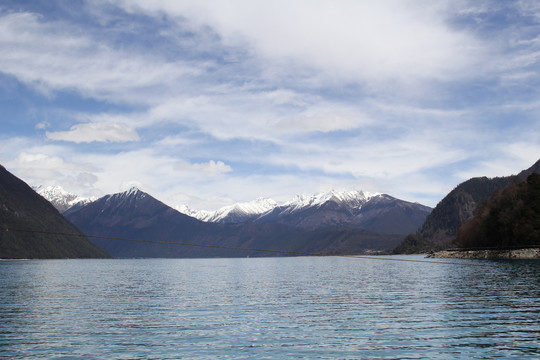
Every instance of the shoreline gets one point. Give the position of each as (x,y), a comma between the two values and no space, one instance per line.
(521,254)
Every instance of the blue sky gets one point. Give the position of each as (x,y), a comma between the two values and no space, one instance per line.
(206,103)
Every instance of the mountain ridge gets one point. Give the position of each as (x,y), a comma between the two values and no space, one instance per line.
(157,230)
(261,206)
(376,212)
(357,209)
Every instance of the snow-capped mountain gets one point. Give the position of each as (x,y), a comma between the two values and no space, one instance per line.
(252,210)
(60,198)
(351,199)
(353,209)
(236,213)
(134,214)
(133,224)
(357,209)
(133,194)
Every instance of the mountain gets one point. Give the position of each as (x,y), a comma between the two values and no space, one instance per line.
(375,212)
(132,214)
(30,227)
(357,209)
(237,213)
(60,198)
(134,224)
(457,208)
(330,208)
(510,219)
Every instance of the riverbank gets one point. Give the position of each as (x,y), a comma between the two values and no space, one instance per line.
(531,253)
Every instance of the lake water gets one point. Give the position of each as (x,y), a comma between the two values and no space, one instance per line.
(274,308)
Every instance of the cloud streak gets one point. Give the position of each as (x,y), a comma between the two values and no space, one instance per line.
(55,56)
(98,132)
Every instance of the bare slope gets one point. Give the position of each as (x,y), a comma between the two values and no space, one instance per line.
(21,208)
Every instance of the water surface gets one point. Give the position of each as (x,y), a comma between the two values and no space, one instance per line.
(308,307)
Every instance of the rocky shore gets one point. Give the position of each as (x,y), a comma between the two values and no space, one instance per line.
(530,253)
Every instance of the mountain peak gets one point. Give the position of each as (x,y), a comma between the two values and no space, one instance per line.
(60,198)
(134,191)
(354,198)
(237,212)
(260,207)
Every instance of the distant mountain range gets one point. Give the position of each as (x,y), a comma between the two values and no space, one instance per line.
(357,209)
(31,228)
(236,213)
(134,224)
(333,222)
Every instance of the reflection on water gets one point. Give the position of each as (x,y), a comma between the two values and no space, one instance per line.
(329,307)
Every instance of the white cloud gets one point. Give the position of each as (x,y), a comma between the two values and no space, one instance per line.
(513,157)
(89,174)
(43,166)
(100,132)
(53,56)
(38,160)
(382,159)
(212,168)
(41,161)
(319,121)
(378,41)
(126,185)
(86,179)
(42,125)
(247,114)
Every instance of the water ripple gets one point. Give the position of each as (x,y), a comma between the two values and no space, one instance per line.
(320,308)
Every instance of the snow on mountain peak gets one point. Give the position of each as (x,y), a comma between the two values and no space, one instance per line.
(60,198)
(257,206)
(134,190)
(261,206)
(354,198)
(239,210)
(53,192)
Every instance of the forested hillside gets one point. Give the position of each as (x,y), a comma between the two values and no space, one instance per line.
(455,209)
(511,218)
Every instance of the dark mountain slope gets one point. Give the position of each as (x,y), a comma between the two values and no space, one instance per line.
(388,215)
(511,218)
(457,208)
(21,208)
(135,215)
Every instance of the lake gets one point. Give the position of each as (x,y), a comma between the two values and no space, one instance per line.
(273,308)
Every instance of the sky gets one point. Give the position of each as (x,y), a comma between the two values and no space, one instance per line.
(206,103)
